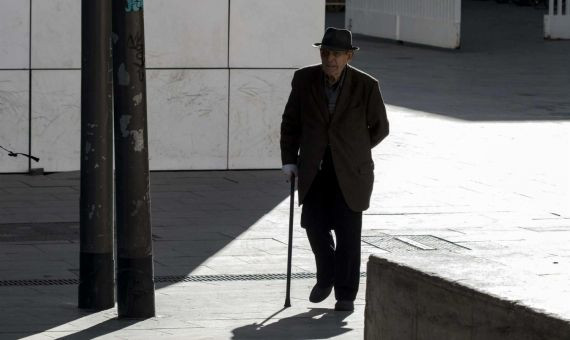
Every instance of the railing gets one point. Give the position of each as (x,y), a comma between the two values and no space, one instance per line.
(557,21)
(433,9)
(557,7)
(430,22)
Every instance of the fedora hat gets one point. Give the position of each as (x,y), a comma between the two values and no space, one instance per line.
(337,39)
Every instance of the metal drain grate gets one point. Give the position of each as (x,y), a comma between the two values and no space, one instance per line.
(38,282)
(235,277)
(407,243)
(170,279)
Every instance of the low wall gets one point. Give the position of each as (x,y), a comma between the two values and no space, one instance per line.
(404,304)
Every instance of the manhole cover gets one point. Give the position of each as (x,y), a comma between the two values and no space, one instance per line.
(407,243)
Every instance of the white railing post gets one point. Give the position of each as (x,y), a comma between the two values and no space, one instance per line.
(557,22)
(457,12)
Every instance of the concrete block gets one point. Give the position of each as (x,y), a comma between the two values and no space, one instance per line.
(56,119)
(493,320)
(186,33)
(56,34)
(274,33)
(404,303)
(442,313)
(257,100)
(391,315)
(14,34)
(14,96)
(188,119)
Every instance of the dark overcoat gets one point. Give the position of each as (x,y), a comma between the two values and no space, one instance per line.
(358,124)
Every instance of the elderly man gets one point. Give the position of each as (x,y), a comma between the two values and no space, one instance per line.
(334,116)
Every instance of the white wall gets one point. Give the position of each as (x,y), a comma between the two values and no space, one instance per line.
(188,118)
(14,82)
(14,34)
(275,33)
(427,22)
(218,76)
(257,99)
(186,33)
(14,113)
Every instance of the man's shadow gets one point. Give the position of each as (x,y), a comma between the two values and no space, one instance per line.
(317,323)
(101,329)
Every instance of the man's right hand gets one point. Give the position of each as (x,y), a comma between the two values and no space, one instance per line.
(289,170)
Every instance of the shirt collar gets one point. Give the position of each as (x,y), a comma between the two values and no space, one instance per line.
(339,83)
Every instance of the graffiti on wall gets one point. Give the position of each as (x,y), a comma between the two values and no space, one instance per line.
(134,5)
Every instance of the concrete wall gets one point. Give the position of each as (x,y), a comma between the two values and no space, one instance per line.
(405,304)
(218,77)
(428,22)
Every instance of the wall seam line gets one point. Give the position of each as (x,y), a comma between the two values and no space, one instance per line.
(229,89)
(30,90)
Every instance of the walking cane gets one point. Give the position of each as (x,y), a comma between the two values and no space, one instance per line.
(290,250)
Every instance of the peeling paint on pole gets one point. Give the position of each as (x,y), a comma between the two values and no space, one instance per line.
(96,260)
(137,99)
(138,140)
(124,121)
(135,283)
(123,76)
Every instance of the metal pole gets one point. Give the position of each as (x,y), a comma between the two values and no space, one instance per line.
(96,264)
(290,245)
(135,282)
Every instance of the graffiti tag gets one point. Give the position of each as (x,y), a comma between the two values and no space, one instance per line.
(136,42)
(134,5)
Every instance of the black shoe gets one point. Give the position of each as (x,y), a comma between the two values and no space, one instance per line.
(318,293)
(344,306)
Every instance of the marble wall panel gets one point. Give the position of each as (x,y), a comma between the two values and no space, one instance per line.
(14,119)
(56,34)
(275,33)
(188,119)
(186,33)
(14,34)
(56,119)
(257,100)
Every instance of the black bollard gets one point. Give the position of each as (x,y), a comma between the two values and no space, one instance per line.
(96,264)
(135,282)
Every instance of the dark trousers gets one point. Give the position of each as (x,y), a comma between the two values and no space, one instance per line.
(324,211)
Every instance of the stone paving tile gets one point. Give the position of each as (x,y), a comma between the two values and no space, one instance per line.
(166,234)
(40,182)
(13,204)
(11,181)
(6,196)
(67,196)
(42,190)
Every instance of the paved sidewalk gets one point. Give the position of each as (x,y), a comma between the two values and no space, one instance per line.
(477,157)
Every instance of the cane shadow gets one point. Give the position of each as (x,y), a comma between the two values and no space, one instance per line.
(317,323)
